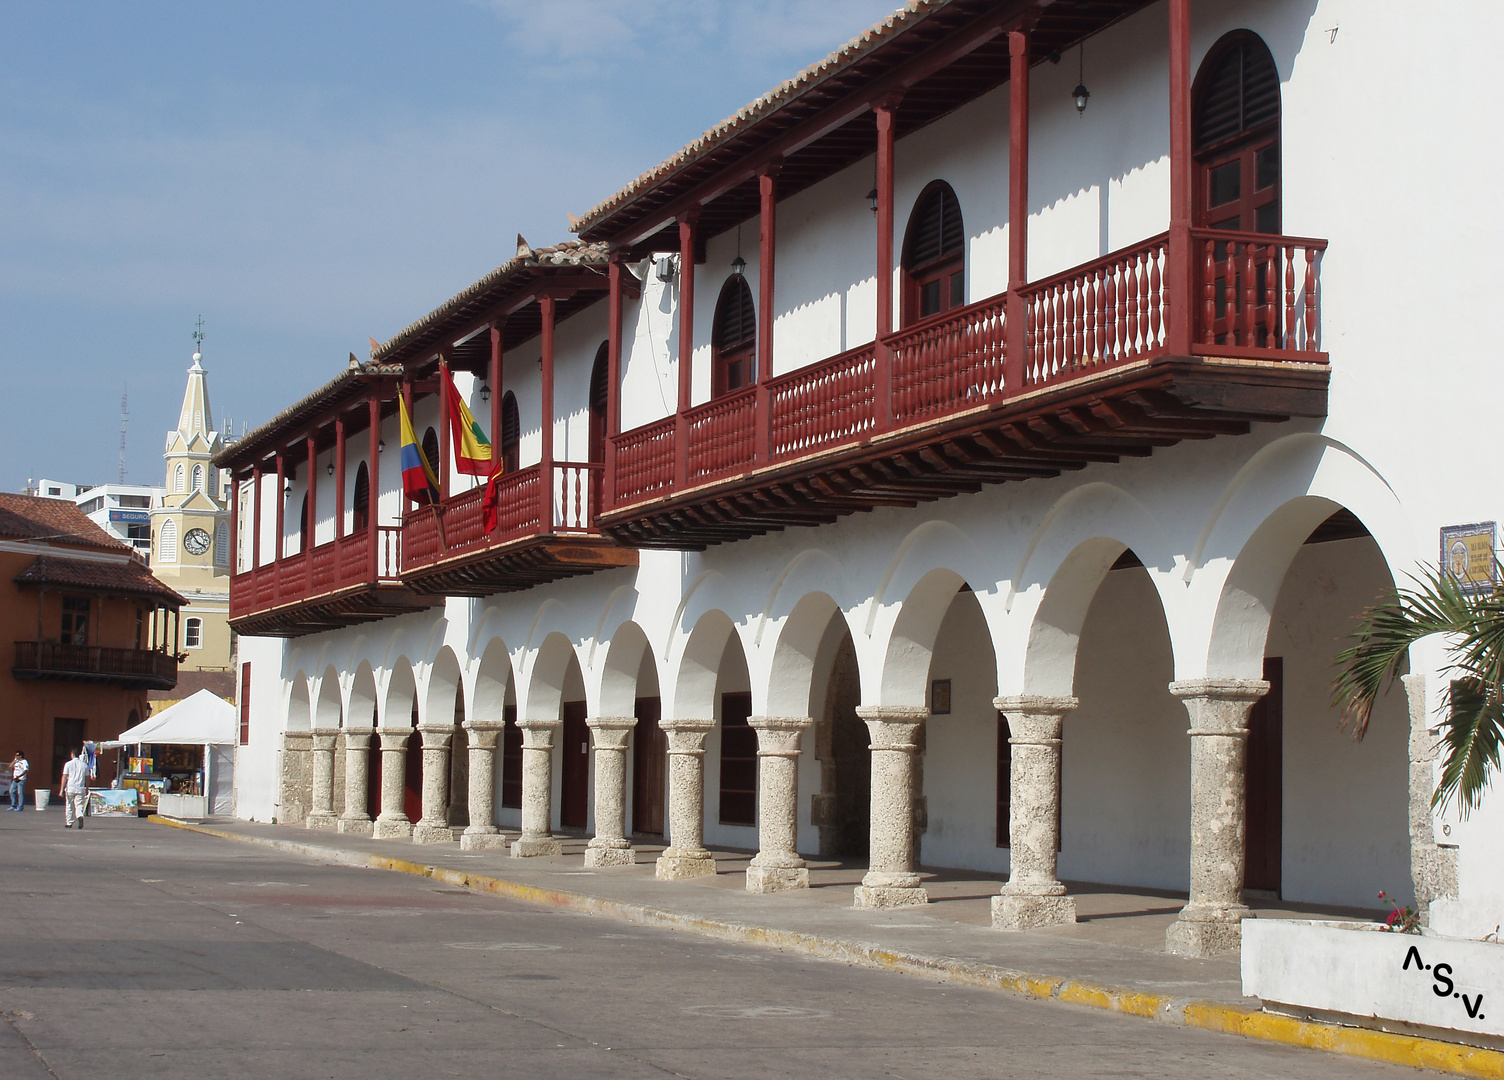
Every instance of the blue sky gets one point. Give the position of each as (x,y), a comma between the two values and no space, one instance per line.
(306,174)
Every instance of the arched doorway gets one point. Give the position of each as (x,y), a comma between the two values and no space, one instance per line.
(511,432)
(1236,136)
(733,341)
(598,388)
(934,255)
(361,502)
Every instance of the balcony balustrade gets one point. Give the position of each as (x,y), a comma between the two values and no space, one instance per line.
(447,550)
(940,407)
(335,584)
(143,668)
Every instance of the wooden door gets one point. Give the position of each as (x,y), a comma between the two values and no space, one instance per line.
(373,778)
(738,761)
(412,785)
(511,760)
(649,768)
(574,748)
(1265,787)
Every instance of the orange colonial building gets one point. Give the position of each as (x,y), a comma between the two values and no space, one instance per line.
(88,629)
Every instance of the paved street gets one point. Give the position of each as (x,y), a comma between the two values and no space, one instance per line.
(133,950)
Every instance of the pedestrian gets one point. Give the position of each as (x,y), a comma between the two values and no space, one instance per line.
(75,789)
(19,767)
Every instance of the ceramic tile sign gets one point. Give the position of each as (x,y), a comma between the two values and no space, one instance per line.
(1467,553)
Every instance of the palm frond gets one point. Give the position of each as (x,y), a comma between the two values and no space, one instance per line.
(1474,739)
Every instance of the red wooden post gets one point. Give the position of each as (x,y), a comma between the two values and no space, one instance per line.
(546,461)
(310,524)
(686,346)
(442,465)
(613,383)
(767,185)
(1018,210)
(496,394)
(373,482)
(1178,272)
(256,515)
(882,366)
(280,539)
(234,526)
(339,478)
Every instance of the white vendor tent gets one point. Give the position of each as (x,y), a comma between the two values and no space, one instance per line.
(206,720)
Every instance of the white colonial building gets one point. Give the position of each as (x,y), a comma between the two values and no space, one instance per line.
(920,467)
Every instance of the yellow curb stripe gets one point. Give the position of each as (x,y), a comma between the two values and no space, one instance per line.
(1408,1050)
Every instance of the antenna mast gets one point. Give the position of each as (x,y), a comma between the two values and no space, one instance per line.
(124,412)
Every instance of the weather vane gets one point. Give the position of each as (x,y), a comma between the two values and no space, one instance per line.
(198,335)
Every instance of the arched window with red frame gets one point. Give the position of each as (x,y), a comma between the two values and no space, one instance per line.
(1235,136)
(934,255)
(360,503)
(598,389)
(733,340)
(511,433)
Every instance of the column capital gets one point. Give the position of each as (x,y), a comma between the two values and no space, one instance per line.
(529,724)
(435,738)
(1220,689)
(1035,704)
(687,735)
(1033,719)
(483,725)
(893,727)
(1219,706)
(894,714)
(778,736)
(358,738)
(324,738)
(394,738)
(611,723)
(683,723)
(539,734)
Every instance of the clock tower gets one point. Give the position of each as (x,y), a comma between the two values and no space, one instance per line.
(191,528)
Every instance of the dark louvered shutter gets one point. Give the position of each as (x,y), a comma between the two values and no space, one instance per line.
(598,378)
(735,317)
(1240,94)
(936,230)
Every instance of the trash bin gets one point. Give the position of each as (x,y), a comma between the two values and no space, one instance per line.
(43,797)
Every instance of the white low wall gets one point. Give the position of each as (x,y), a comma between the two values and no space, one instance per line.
(1379,979)
(183,807)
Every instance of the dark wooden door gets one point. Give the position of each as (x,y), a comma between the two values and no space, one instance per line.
(738,761)
(649,767)
(574,806)
(412,784)
(1266,723)
(67,737)
(373,778)
(511,760)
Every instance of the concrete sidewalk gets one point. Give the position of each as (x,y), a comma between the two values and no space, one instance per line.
(1113,958)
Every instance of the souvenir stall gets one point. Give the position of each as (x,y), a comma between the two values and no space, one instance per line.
(187,750)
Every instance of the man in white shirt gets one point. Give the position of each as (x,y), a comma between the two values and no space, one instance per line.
(19,767)
(75,788)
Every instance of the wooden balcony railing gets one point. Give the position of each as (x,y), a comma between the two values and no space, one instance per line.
(49,660)
(328,568)
(1251,296)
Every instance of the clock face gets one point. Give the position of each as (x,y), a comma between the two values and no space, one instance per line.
(196,541)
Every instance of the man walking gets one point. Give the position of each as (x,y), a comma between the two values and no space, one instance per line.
(19,767)
(75,789)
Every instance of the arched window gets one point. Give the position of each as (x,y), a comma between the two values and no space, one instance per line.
(167,541)
(598,396)
(1235,136)
(733,341)
(222,544)
(198,478)
(179,478)
(193,633)
(303,529)
(431,451)
(511,432)
(934,254)
(361,502)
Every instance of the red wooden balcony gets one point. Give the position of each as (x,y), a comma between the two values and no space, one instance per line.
(941,408)
(447,550)
(336,584)
(147,669)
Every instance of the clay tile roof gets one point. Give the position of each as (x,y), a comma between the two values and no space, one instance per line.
(571,253)
(126,579)
(30,517)
(745,117)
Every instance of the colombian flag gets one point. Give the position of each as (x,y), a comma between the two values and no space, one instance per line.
(472,450)
(418,479)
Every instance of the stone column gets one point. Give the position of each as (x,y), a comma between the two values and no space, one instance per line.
(686,857)
(537,789)
(890,880)
(1033,896)
(481,834)
(433,827)
(357,778)
(1212,921)
(321,755)
(392,823)
(610,846)
(777,866)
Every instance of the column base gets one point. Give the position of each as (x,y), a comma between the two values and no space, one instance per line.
(879,897)
(424,833)
(1024,912)
(1206,933)
(392,829)
(527,848)
(685,864)
(771,879)
(320,821)
(483,841)
(355,826)
(610,856)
